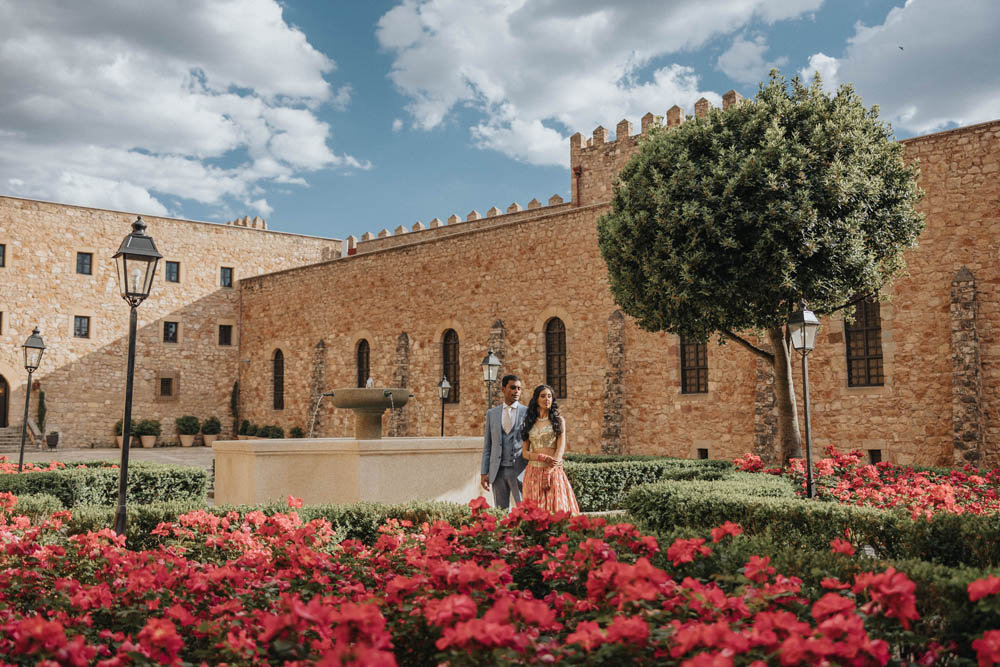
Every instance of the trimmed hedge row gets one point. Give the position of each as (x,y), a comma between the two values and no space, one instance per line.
(601,482)
(358,521)
(97,484)
(767,504)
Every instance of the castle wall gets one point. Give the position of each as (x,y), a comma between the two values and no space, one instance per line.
(84,378)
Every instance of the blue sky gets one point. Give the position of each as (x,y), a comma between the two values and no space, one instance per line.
(336,118)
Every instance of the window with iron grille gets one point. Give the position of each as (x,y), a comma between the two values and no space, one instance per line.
(278,380)
(81,326)
(225,334)
(172,272)
(363,362)
(694,367)
(83,262)
(3,254)
(555,356)
(166,386)
(170,330)
(449,363)
(226,276)
(863,340)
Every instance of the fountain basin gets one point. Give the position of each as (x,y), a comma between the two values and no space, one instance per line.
(344,470)
(368,404)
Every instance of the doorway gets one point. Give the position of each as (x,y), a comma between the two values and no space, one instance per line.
(4,394)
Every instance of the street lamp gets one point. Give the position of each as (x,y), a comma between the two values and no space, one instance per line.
(136,260)
(33,350)
(491,368)
(802,328)
(443,389)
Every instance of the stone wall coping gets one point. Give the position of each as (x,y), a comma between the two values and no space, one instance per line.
(150,216)
(349,446)
(954,130)
(437,240)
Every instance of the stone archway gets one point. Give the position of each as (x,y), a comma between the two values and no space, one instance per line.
(4,401)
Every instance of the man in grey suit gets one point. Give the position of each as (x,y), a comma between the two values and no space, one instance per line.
(503,466)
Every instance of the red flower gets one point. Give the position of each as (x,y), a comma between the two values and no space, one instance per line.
(684,551)
(892,591)
(831,604)
(294,502)
(478,504)
(758,569)
(980,588)
(450,609)
(728,528)
(588,634)
(160,640)
(628,630)
(988,648)
(840,546)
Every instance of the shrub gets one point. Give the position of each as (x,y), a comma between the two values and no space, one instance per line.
(41,411)
(296,432)
(245,427)
(37,506)
(147,427)
(251,429)
(211,426)
(270,431)
(97,484)
(187,425)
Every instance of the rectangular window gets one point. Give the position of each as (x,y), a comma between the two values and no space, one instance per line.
(874,456)
(1,321)
(702,452)
(81,326)
(863,339)
(694,367)
(83,262)
(170,332)
(166,386)
(173,272)
(225,334)
(3,254)
(226,276)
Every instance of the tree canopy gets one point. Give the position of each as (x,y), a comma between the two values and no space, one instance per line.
(727,221)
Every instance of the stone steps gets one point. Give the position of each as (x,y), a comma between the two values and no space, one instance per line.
(10,440)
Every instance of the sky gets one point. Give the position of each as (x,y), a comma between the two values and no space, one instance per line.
(338,117)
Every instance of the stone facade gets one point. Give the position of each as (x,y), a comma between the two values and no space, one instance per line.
(84,378)
(402,291)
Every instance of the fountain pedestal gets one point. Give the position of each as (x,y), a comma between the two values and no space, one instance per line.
(368,404)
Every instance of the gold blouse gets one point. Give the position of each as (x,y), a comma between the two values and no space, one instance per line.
(541,440)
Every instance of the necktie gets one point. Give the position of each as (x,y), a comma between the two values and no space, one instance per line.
(506,419)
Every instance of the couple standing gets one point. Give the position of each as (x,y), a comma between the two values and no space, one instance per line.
(529,442)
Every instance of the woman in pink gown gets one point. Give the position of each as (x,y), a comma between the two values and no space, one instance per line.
(543,446)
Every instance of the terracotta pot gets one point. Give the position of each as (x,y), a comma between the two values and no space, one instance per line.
(186,440)
(148,441)
(118,439)
(209,439)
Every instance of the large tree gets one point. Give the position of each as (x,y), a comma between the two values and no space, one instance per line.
(722,225)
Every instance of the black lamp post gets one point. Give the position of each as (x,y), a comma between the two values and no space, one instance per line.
(491,368)
(443,389)
(33,350)
(136,260)
(802,328)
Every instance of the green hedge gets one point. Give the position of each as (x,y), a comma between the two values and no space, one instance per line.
(601,484)
(760,503)
(97,484)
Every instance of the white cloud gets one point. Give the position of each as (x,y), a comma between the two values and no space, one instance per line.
(828,71)
(534,70)
(397,125)
(744,61)
(120,104)
(945,73)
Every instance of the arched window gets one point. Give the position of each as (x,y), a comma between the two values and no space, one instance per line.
(449,363)
(4,391)
(694,367)
(278,380)
(364,367)
(863,339)
(555,356)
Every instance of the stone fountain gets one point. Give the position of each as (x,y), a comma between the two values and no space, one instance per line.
(366,467)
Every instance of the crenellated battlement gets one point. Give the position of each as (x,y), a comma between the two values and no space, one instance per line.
(595,161)
(256,222)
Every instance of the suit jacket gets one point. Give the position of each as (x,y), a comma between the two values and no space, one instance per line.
(493,441)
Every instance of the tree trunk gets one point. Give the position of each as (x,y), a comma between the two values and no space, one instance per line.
(789,439)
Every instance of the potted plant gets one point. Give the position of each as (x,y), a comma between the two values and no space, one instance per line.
(52,439)
(243,432)
(118,431)
(210,429)
(148,430)
(187,428)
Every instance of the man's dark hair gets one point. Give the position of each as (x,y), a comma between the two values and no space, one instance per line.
(507,379)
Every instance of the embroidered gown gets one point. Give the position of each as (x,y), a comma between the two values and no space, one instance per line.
(559,497)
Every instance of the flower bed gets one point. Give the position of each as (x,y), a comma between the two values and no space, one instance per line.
(530,588)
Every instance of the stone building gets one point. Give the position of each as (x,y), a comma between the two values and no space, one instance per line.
(912,380)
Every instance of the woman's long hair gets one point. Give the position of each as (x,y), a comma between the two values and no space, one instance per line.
(532,416)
